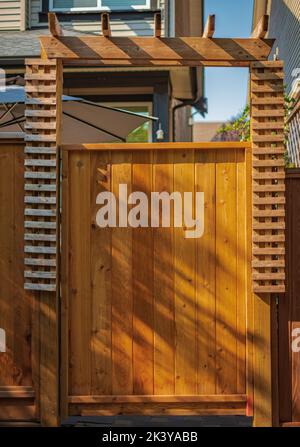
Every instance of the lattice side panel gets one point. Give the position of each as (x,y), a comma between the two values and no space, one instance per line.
(42,100)
(267,128)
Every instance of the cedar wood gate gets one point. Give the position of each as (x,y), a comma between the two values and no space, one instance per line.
(257,172)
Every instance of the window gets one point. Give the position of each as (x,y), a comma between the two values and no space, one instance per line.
(142,134)
(96,5)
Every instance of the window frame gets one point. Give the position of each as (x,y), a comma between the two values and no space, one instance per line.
(99,7)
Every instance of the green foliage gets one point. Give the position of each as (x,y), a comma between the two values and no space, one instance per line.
(139,135)
(238,128)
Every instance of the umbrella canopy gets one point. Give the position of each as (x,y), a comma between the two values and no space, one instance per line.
(82,122)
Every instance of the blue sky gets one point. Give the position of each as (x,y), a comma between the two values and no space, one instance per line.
(226,88)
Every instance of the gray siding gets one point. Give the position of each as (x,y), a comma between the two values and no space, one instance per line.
(118,27)
(285,27)
(10,15)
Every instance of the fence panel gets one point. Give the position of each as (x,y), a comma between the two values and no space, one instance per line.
(153,322)
(18,364)
(289,309)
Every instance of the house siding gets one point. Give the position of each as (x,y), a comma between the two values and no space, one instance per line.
(10,15)
(141,27)
(284,26)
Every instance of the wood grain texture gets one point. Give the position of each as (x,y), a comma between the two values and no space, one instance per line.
(152,315)
(165,50)
(19,365)
(164,297)
(184,284)
(80,309)
(205,180)
(289,308)
(226,273)
(267,129)
(122,285)
(143,285)
(101,281)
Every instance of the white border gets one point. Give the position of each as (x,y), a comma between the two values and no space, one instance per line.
(99,7)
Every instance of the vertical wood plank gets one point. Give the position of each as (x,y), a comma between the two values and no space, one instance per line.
(295,378)
(80,274)
(65,277)
(21,299)
(262,361)
(249,294)
(205,181)
(185,306)
(241,271)
(48,359)
(226,232)
(164,329)
(143,354)
(100,252)
(6,258)
(122,295)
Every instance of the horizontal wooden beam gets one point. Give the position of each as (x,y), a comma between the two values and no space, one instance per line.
(261,28)
(156,146)
(209,29)
(154,409)
(222,398)
(133,63)
(54,25)
(16,392)
(191,50)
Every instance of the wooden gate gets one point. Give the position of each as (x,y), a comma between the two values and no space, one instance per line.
(152,322)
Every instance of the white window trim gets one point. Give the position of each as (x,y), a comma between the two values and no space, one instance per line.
(99,7)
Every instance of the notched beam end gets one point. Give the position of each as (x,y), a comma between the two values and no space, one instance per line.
(105,24)
(209,29)
(54,25)
(262,27)
(157,25)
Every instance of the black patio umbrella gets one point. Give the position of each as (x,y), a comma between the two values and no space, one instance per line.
(83,121)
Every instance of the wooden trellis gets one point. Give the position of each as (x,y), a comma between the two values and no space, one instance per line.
(43,115)
(43,80)
(44,84)
(267,124)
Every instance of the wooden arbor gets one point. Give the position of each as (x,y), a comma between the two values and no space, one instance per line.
(43,114)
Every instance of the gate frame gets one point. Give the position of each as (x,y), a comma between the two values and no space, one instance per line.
(44,83)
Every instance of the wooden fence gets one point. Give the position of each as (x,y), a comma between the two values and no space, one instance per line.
(19,364)
(289,309)
(154,323)
(151,322)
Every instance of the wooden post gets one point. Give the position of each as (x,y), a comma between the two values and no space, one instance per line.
(268,221)
(268,198)
(262,371)
(43,124)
